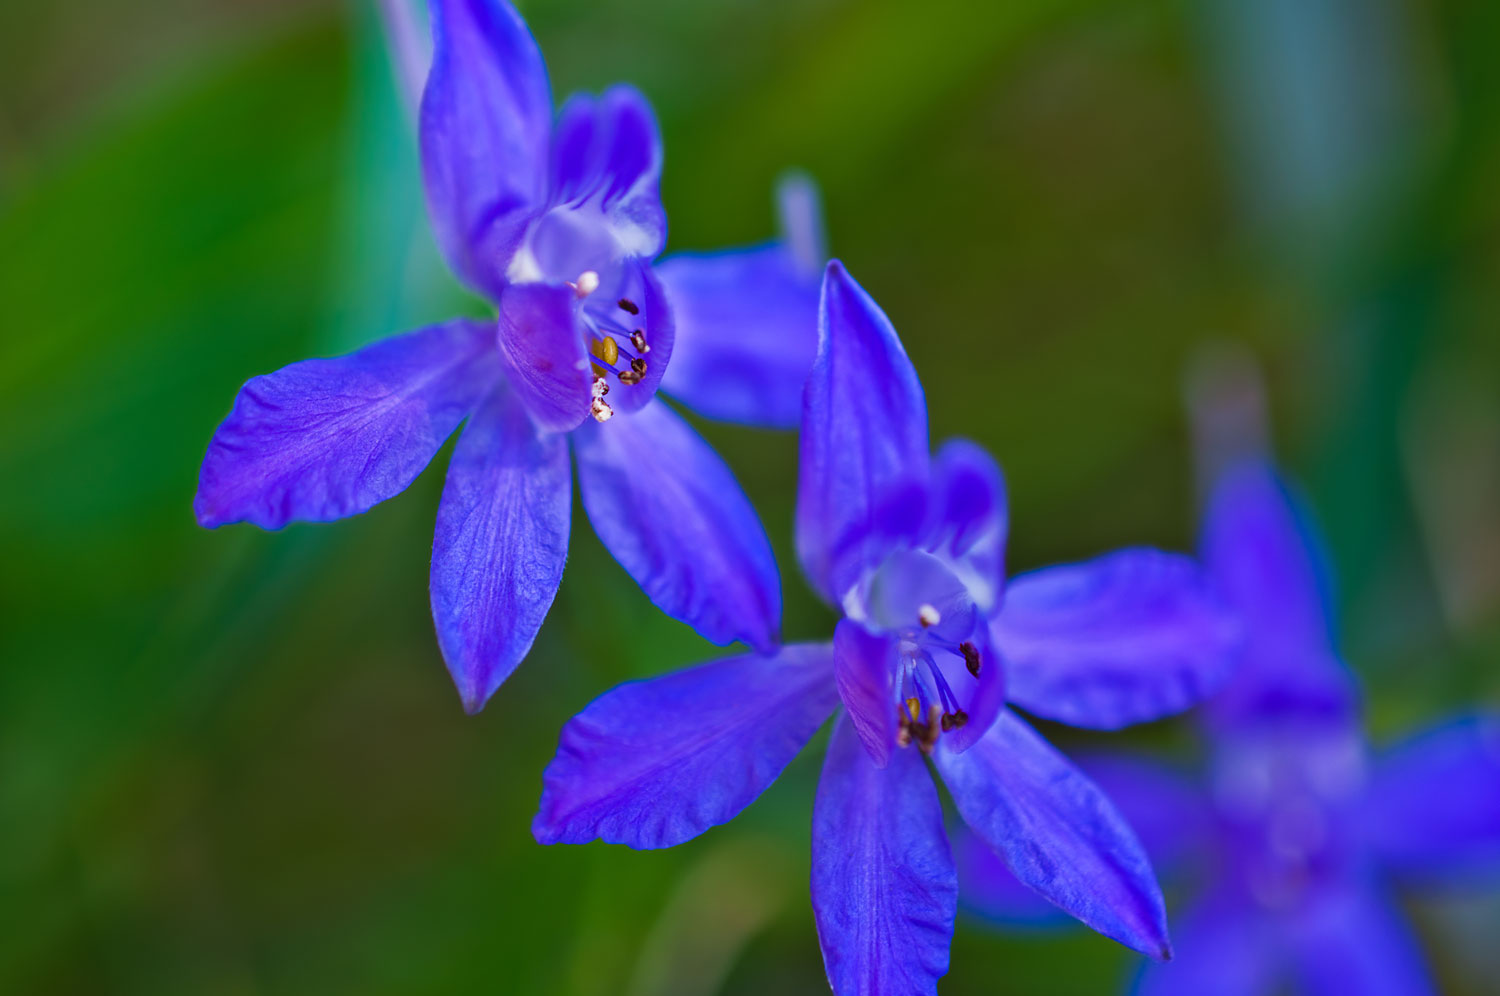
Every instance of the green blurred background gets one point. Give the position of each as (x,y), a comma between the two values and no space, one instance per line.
(232,761)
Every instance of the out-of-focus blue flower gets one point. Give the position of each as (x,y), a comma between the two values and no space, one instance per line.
(928,652)
(1298,830)
(555,222)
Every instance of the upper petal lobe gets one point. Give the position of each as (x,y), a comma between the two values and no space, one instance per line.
(884,891)
(1125,638)
(669,510)
(655,763)
(324,439)
(500,544)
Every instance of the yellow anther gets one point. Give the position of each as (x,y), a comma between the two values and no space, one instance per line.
(605,349)
(914,707)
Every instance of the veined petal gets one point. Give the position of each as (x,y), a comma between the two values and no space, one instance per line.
(884,891)
(1432,808)
(324,439)
(607,156)
(1262,558)
(1128,637)
(864,428)
(541,346)
(1222,948)
(865,665)
(655,763)
(486,122)
(500,545)
(669,510)
(747,327)
(972,517)
(1057,833)
(1354,940)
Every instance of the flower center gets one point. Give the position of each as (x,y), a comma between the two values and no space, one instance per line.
(618,348)
(928,706)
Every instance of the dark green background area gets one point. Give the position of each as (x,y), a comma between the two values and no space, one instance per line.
(232,762)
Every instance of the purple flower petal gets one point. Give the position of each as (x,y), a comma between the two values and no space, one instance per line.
(1432,809)
(324,439)
(747,325)
(1169,814)
(672,514)
(972,517)
(1125,638)
(486,123)
(988,889)
(655,763)
(500,545)
(982,697)
(864,664)
(541,345)
(1354,940)
(1222,948)
(1057,833)
(1262,558)
(884,891)
(864,428)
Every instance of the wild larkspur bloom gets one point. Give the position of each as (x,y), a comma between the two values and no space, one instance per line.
(1298,830)
(911,547)
(557,223)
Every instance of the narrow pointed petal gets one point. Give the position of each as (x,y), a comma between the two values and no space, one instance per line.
(1057,833)
(669,510)
(1128,637)
(864,428)
(324,439)
(747,329)
(1222,948)
(1263,559)
(654,763)
(884,891)
(500,544)
(486,125)
(1432,809)
(1355,940)
(865,664)
(987,888)
(541,346)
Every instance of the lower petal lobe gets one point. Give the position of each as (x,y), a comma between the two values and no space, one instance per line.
(884,891)
(324,439)
(669,510)
(1125,638)
(500,545)
(655,763)
(1432,808)
(541,345)
(1057,833)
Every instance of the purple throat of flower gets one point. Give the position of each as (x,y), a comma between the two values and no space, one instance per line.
(928,705)
(617,347)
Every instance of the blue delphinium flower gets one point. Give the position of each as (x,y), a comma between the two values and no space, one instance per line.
(1297,829)
(928,653)
(556,223)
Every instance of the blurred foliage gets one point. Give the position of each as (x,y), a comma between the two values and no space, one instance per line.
(231,762)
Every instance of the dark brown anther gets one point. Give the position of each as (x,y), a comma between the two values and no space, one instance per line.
(960,719)
(629,377)
(638,340)
(971,657)
(626,304)
(638,367)
(947,722)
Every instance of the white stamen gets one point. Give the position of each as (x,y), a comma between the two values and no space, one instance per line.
(601,411)
(928,616)
(599,388)
(588,282)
